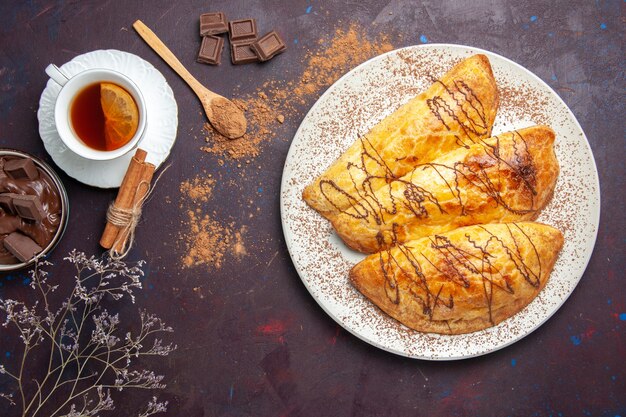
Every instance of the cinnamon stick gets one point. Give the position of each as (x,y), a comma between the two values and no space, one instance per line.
(142,189)
(125,195)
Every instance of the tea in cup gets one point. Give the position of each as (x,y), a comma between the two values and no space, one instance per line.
(100,114)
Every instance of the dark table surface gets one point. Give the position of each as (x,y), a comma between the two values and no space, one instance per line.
(251,340)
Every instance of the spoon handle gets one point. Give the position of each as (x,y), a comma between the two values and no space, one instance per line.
(163,51)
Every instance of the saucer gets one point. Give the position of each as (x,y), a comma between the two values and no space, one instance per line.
(161,109)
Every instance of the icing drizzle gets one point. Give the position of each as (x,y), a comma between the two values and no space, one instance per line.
(457,264)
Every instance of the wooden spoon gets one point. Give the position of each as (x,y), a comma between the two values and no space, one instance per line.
(224,115)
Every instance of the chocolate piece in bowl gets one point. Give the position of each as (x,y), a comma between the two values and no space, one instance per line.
(213,24)
(6,203)
(243,30)
(22,247)
(268,46)
(211,50)
(23,168)
(36,209)
(241,53)
(29,207)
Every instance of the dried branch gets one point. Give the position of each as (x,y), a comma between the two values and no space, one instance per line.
(88,354)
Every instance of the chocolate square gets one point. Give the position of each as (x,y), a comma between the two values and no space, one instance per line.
(213,24)
(22,168)
(243,30)
(241,53)
(211,50)
(28,207)
(22,247)
(6,203)
(268,46)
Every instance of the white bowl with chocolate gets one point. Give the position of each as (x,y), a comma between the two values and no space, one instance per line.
(33,209)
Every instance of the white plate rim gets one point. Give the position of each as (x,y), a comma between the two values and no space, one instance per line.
(285,179)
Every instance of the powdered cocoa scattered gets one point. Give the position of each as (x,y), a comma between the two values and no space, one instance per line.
(278,100)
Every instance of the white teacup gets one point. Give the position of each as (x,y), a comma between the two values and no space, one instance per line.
(70,87)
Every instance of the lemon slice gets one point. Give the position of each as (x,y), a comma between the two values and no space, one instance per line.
(121,115)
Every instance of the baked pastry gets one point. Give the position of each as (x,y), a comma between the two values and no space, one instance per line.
(506,178)
(456,111)
(461,281)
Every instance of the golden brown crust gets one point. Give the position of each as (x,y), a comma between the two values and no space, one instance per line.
(506,178)
(461,281)
(457,110)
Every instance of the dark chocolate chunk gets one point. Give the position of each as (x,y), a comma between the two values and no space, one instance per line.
(6,202)
(213,24)
(22,247)
(28,207)
(22,168)
(268,46)
(243,30)
(211,50)
(241,53)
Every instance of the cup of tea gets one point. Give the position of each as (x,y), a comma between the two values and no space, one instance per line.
(100,114)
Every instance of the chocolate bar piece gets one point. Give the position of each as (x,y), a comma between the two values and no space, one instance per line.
(28,207)
(22,247)
(6,202)
(241,53)
(211,50)
(213,24)
(243,30)
(268,46)
(22,168)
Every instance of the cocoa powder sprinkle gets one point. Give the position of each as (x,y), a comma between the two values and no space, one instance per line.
(227,118)
(198,189)
(207,241)
(276,100)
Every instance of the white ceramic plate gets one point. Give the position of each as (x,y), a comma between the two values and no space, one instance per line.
(357,102)
(162,120)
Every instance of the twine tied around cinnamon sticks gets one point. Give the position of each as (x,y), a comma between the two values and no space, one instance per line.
(124,214)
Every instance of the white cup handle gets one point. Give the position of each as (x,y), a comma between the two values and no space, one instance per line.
(57,76)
